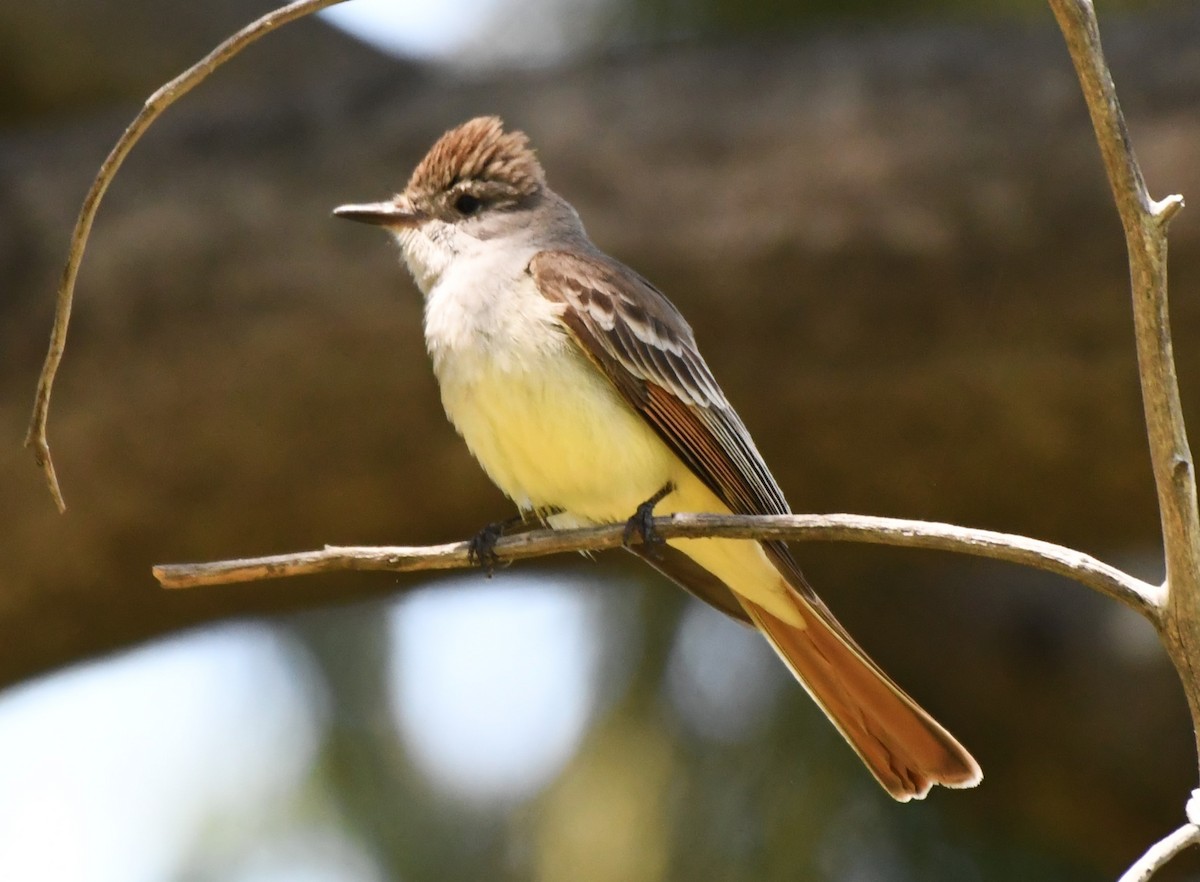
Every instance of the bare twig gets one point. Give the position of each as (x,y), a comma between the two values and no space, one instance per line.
(151,110)
(1145,222)
(1157,856)
(1134,593)
(1161,853)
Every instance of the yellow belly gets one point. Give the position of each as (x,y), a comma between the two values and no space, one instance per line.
(551,431)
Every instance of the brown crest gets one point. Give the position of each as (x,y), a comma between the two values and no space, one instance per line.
(479,150)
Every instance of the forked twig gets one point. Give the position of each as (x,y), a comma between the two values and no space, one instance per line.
(1145,223)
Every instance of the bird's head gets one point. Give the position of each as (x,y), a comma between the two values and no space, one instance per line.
(476,185)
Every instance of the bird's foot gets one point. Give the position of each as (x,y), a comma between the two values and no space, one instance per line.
(481,549)
(642,523)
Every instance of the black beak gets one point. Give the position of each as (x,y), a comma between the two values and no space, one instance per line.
(381,214)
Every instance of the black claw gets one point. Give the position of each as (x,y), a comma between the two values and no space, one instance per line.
(481,550)
(641,526)
(642,523)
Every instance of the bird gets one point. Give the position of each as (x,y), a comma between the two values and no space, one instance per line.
(580,390)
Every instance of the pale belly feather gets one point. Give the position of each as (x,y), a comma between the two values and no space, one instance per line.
(551,431)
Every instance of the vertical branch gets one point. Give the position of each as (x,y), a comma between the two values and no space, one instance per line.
(151,110)
(1145,222)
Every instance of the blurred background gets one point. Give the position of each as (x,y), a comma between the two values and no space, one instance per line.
(887,222)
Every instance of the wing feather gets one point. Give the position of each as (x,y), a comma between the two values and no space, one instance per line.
(629,329)
(632,333)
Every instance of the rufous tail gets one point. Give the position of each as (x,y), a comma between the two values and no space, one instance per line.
(902,745)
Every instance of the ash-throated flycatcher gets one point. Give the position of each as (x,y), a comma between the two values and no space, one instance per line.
(580,390)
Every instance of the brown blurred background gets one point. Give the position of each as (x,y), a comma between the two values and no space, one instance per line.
(892,234)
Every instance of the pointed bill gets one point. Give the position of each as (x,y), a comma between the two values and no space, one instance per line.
(382,214)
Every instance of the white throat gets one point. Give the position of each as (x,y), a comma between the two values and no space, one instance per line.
(484,306)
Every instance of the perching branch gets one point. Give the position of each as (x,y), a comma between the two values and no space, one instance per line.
(151,110)
(1134,593)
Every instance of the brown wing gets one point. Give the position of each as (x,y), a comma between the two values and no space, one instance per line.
(694,579)
(639,340)
(629,329)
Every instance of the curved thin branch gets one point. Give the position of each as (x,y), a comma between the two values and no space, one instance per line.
(1109,581)
(151,110)
(1160,853)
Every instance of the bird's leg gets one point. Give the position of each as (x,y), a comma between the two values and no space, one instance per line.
(481,550)
(642,522)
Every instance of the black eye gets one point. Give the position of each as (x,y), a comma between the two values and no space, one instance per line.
(467,204)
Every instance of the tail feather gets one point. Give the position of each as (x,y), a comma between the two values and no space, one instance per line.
(902,745)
